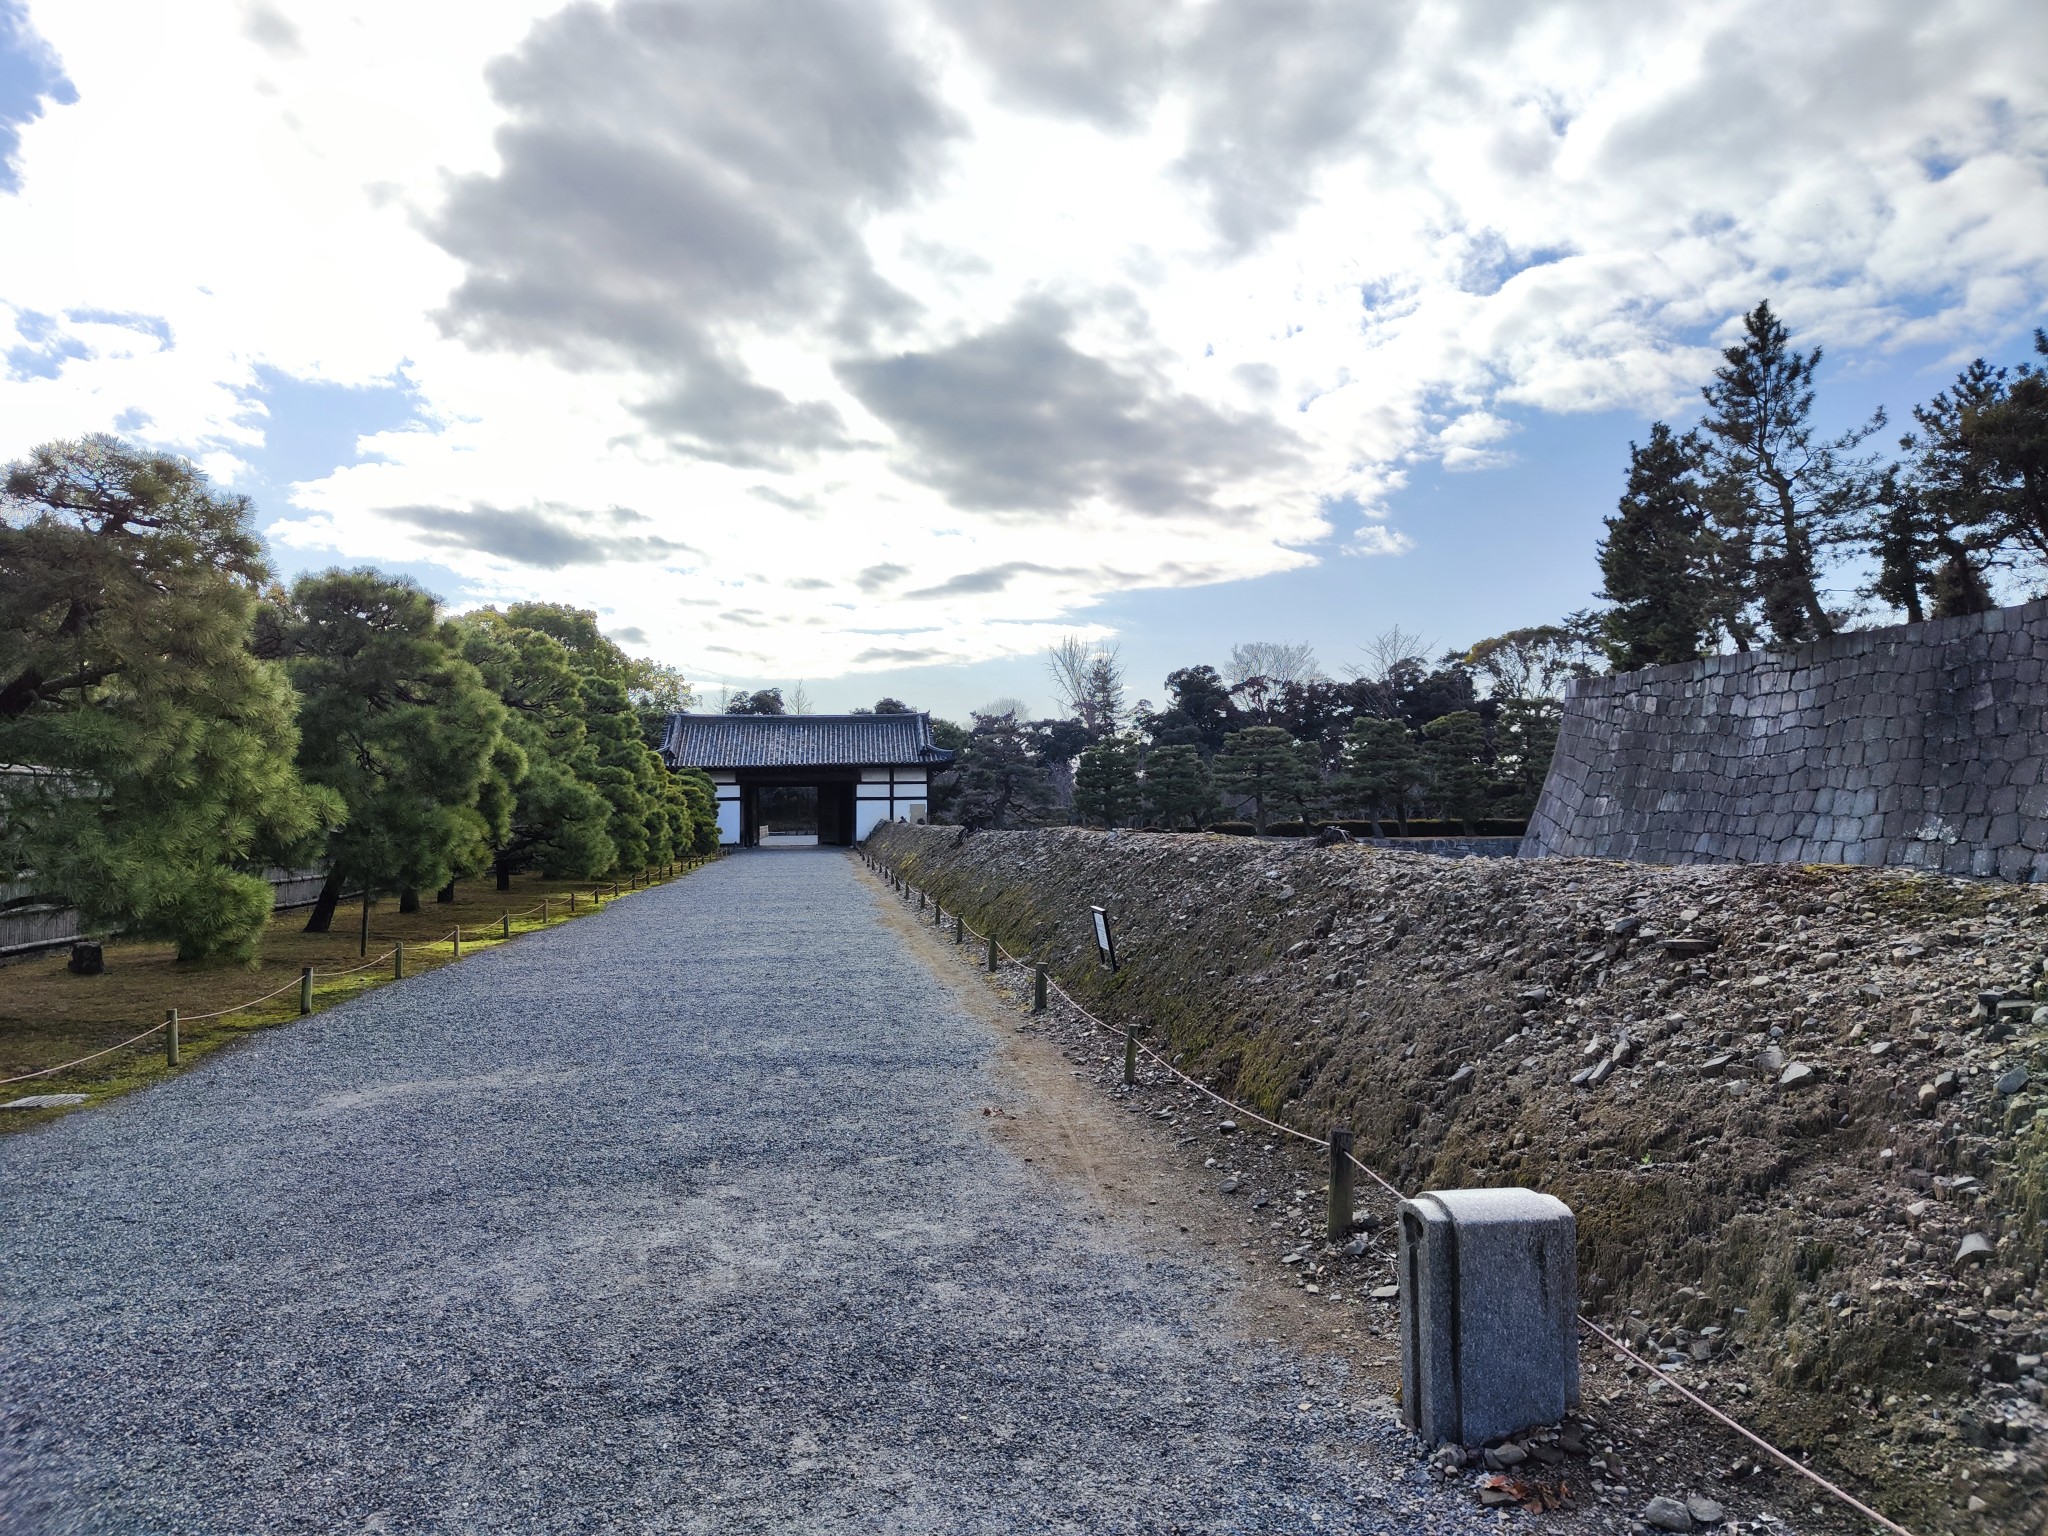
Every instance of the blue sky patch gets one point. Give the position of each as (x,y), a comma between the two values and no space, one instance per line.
(30,75)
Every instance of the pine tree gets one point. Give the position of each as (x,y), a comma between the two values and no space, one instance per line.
(1382,769)
(150,755)
(1261,764)
(1524,742)
(1106,782)
(556,820)
(1790,495)
(1454,763)
(1657,561)
(397,724)
(2011,437)
(1001,780)
(700,798)
(1178,787)
(626,772)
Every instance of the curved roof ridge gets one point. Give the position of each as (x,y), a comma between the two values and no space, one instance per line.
(801,741)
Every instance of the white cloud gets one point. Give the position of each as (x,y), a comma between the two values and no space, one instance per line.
(1034,302)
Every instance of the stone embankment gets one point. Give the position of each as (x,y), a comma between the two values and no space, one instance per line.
(1793,1107)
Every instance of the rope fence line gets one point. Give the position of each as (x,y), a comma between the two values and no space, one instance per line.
(221,1013)
(350,971)
(1783,1458)
(454,935)
(81,1061)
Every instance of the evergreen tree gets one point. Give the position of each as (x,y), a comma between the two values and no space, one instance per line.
(627,773)
(1178,787)
(2010,437)
(1454,765)
(149,755)
(1106,785)
(1524,742)
(1382,769)
(1261,764)
(397,724)
(1201,713)
(1935,529)
(701,798)
(764,701)
(1001,780)
(1658,559)
(1789,495)
(556,820)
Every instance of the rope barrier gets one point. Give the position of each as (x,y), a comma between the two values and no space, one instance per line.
(64,1066)
(324,975)
(221,1013)
(1240,1111)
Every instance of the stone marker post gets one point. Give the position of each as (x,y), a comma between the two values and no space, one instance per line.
(1489,1313)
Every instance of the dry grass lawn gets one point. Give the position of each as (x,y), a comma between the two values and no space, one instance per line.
(49,1016)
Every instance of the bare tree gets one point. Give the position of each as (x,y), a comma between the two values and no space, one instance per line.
(998,708)
(799,699)
(1277,662)
(1387,655)
(1089,682)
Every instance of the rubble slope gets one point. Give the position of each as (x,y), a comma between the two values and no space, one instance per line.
(1792,1106)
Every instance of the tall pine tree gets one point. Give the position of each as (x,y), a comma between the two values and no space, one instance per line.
(397,724)
(150,755)
(1787,493)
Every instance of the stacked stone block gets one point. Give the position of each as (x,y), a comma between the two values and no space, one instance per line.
(1919,745)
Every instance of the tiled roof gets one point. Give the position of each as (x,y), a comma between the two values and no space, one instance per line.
(801,741)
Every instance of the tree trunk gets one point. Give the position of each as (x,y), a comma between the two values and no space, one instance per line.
(408,900)
(1259,815)
(504,876)
(446,895)
(322,918)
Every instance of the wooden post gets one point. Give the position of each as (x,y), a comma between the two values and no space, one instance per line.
(170,1037)
(305,990)
(572,901)
(508,925)
(398,961)
(1130,1055)
(1340,1184)
(458,941)
(615,887)
(1038,990)
(920,901)
(363,937)
(993,952)
(543,911)
(959,929)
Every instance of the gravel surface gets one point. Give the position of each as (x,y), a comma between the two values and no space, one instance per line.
(678,1218)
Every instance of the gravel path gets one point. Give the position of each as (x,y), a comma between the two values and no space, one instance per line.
(678,1218)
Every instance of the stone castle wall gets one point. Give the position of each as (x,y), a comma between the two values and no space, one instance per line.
(1921,744)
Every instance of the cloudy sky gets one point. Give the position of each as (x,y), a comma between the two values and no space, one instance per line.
(879,344)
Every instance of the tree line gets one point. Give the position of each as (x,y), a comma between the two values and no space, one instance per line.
(1727,536)
(1461,740)
(1728,533)
(173,720)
